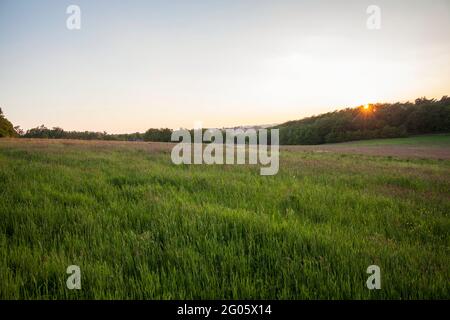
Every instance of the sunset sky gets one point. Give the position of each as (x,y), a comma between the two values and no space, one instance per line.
(141,64)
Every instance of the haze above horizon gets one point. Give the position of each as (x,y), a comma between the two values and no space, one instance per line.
(139,64)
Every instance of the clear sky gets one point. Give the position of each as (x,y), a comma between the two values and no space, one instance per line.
(141,64)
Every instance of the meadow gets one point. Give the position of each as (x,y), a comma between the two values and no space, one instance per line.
(141,227)
(430,140)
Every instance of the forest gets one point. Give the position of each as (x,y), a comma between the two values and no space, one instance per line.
(372,121)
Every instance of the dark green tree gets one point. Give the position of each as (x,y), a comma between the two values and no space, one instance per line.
(6,127)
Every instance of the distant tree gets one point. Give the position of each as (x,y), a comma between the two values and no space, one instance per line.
(6,127)
(19,130)
(160,135)
(424,100)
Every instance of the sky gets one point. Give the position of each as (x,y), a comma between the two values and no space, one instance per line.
(135,65)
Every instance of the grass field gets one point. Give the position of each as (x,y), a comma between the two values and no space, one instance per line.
(142,228)
(439,140)
(436,146)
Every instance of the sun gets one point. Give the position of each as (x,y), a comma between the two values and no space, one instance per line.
(367,108)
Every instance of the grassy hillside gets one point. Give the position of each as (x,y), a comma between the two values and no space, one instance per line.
(372,121)
(141,227)
(435,140)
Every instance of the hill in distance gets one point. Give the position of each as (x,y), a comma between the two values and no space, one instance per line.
(372,121)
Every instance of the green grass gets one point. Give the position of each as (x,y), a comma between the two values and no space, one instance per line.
(438,140)
(142,228)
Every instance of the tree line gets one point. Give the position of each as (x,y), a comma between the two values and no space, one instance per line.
(161,135)
(381,120)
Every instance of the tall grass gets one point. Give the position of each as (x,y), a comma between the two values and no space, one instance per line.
(140,227)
